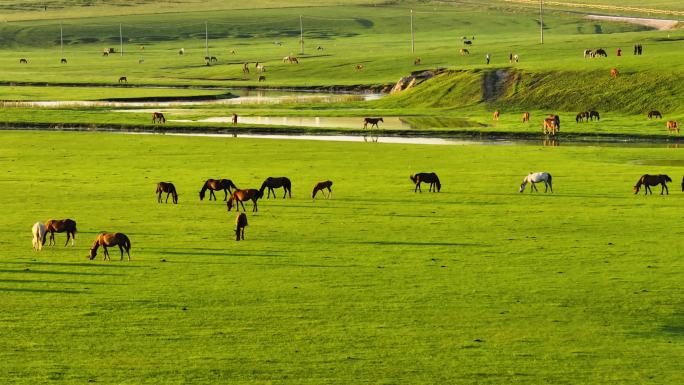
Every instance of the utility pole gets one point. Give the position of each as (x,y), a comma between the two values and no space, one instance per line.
(301,36)
(206,39)
(413,46)
(120,40)
(61,41)
(541,19)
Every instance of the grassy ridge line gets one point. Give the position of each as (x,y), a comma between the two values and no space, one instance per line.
(601,6)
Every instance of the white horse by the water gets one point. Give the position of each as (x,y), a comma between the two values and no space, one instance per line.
(537,177)
(38,232)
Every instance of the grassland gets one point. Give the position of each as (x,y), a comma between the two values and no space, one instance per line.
(475,284)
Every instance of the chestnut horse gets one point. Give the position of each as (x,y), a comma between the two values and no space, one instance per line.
(240,223)
(108,240)
(372,122)
(614,73)
(158,117)
(672,126)
(526,117)
(582,117)
(59,226)
(215,185)
(551,125)
(427,177)
(168,188)
(320,186)
(652,180)
(242,196)
(496,115)
(273,183)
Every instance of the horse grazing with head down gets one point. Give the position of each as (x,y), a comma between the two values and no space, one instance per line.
(272,183)
(582,117)
(672,126)
(652,180)
(169,189)
(526,117)
(614,73)
(241,196)
(496,115)
(655,114)
(217,184)
(158,117)
(38,232)
(594,114)
(427,177)
(536,177)
(59,226)
(240,224)
(551,125)
(372,122)
(320,186)
(108,240)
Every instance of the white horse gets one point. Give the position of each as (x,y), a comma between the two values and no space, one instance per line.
(38,232)
(537,177)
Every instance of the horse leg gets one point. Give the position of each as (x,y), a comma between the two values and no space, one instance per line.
(211,194)
(254,209)
(225,198)
(243,205)
(105,253)
(167,197)
(121,249)
(67,241)
(534,187)
(329,193)
(159,197)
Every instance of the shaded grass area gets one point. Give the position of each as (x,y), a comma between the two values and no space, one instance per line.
(477,283)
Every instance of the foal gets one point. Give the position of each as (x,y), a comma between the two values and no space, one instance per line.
(320,186)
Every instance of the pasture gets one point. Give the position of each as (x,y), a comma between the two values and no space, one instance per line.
(475,284)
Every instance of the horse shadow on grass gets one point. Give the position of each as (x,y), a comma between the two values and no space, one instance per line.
(43,272)
(41,291)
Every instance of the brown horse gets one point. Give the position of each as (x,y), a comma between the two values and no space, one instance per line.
(273,183)
(672,126)
(582,117)
(496,115)
(551,125)
(158,117)
(217,184)
(169,189)
(59,226)
(526,117)
(594,114)
(320,186)
(235,118)
(23,61)
(108,240)
(123,79)
(241,196)
(614,73)
(655,114)
(427,177)
(240,223)
(464,51)
(652,180)
(245,68)
(372,122)
(358,67)
(417,62)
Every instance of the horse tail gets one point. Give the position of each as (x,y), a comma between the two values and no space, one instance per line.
(549,181)
(438,183)
(126,244)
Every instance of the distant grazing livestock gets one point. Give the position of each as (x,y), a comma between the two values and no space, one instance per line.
(588,53)
(158,117)
(63,61)
(614,73)
(272,183)
(652,180)
(60,226)
(233,52)
(141,61)
(467,42)
(215,185)
(672,126)
(108,240)
(417,61)
(534,178)
(600,52)
(594,114)
(277,43)
(427,177)
(358,67)
(260,67)
(241,196)
(290,59)
(245,68)
(319,48)
(123,79)
(240,224)
(320,186)
(38,232)
(262,78)
(516,58)
(551,125)
(496,115)
(655,114)
(23,61)
(169,189)
(234,119)
(372,122)
(181,51)
(582,117)
(464,51)
(526,117)
(213,59)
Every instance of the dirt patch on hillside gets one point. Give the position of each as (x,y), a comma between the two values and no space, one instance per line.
(659,24)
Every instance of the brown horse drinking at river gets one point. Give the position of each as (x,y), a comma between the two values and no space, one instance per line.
(108,240)
(217,184)
(652,180)
(427,177)
(272,183)
(242,196)
(60,226)
(169,189)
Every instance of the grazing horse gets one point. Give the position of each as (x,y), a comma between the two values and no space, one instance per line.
(320,186)
(169,189)
(241,196)
(588,53)
(464,51)
(582,117)
(614,73)
(232,52)
(181,51)
(217,184)
(105,53)
(108,240)
(600,52)
(551,125)
(655,114)
(59,226)
(273,183)
(23,61)
(123,79)
(672,126)
(319,48)
(290,59)
(496,115)
(260,67)
(417,62)
(38,232)
(240,223)
(594,114)
(245,68)
(262,78)
(536,177)
(158,117)
(652,180)
(234,119)
(213,59)
(467,42)
(526,117)
(372,122)
(427,177)
(358,67)
(63,61)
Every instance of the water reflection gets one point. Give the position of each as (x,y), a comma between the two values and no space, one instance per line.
(551,142)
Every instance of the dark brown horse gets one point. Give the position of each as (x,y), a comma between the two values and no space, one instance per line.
(655,114)
(241,196)
(59,226)
(594,114)
(582,117)
(123,79)
(427,177)
(273,183)
(158,117)
(169,189)
(217,184)
(652,180)
(320,186)
(372,122)
(108,240)
(240,223)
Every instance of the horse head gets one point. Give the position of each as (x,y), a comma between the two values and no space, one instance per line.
(92,254)
(413,178)
(635,189)
(175,197)
(230,203)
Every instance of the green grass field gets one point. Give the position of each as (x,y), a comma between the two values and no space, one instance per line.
(475,284)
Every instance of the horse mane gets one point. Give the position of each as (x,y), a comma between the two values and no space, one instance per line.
(667,178)
(413,178)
